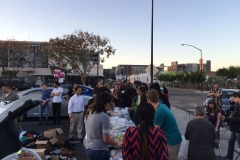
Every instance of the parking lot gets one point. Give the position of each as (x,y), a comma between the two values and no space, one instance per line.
(180,101)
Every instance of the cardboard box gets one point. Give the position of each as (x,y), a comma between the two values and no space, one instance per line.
(56,132)
(40,152)
(46,144)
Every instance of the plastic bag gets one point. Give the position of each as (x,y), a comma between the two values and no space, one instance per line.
(183,150)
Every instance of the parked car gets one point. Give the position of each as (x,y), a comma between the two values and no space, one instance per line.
(87,91)
(64,107)
(24,86)
(226,95)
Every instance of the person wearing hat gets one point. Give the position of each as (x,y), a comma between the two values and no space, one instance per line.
(144,89)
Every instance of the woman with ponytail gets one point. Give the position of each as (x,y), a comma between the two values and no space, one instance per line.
(145,142)
(97,126)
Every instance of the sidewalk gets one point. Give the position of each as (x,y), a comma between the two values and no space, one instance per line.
(182,124)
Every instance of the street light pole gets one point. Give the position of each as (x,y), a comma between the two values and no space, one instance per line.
(201,67)
(151,70)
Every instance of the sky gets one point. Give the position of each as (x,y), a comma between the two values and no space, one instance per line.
(210,25)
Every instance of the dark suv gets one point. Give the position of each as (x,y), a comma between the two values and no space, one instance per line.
(24,86)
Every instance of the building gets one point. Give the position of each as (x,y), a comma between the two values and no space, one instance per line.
(31,61)
(192,67)
(175,67)
(189,67)
(130,69)
(163,68)
(207,66)
(110,73)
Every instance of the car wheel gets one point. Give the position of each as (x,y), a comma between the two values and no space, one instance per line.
(16,89)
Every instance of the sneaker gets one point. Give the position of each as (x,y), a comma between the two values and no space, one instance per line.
(71,139)
(221,129)
(40,123)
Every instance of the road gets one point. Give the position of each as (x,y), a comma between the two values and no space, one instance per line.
(184,99)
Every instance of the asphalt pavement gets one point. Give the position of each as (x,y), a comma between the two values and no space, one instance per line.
(180,99)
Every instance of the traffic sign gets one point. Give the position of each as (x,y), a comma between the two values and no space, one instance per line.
(148,70)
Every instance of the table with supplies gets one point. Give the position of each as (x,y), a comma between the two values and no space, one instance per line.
(119,123)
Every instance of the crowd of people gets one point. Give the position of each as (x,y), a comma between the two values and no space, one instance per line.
(156,134)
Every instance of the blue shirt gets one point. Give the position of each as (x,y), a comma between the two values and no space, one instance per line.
(167,122)
(46,94)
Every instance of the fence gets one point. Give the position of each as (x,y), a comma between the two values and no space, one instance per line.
(205,85)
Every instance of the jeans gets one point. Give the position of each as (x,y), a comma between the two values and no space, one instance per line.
(214,122)
(97,154)
(45,110)
(56,107)
(231,143)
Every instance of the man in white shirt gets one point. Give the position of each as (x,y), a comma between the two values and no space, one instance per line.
(56,102)
(75,111)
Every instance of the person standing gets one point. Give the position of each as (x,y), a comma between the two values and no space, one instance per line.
(144,89)
(216,94)
(117,96)
(135,103)
(75,112)
(56,102)
(234,123)
(97,126)
(8,94)
(214,116)
(71,91)
(165,120)
(202,137)
(100,83)
(44,104)
(145,141)
(162,97)
(128,95)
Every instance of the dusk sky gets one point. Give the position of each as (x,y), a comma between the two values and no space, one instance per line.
(210,25)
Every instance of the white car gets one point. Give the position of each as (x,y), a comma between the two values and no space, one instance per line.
(64,107)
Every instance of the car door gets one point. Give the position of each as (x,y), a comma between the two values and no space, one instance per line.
(36,110)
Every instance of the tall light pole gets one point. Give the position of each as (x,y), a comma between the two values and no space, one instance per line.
(151,70)
(200,63)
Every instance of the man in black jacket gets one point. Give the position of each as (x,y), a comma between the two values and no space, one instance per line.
(234,123)
(128,95)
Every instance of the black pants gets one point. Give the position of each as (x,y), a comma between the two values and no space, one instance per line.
(56,107)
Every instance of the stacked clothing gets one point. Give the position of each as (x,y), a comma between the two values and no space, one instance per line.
(29,138)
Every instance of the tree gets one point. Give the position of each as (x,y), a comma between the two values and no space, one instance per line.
(15,55)
(231,72)
(106,74)
(78,52)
